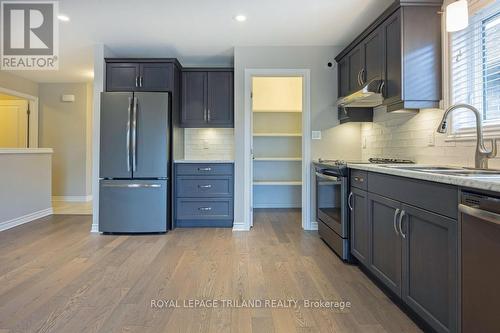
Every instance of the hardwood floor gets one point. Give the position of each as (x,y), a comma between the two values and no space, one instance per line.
(55,276)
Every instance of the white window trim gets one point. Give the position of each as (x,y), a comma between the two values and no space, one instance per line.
(491,129)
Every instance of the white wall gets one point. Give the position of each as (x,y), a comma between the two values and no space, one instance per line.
(323,111)
(17,83)
(407,136)
(100,52)
(63,127)
(25,191)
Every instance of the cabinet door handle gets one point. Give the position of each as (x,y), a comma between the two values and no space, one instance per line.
(208,115)
(205,209)
(359,82)
(205,186)
(401,222)
(351,206)
(141,79)
(137,81)
(204,169)
(361,76)
(394,221)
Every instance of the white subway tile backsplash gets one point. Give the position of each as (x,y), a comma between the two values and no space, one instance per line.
(209,143)
(407,136)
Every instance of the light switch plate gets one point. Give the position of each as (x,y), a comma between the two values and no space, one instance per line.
(316,135)
(431,140)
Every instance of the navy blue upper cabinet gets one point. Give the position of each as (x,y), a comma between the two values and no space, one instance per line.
(122,76)
(401,51)
(207,98)
(194,99)
(220,99)
(156,77)
(140,74)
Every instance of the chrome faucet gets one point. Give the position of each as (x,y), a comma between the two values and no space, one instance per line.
(482,153)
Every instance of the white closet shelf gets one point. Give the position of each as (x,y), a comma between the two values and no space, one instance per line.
(278,111)
(277,183)
(278,159)
(278,134)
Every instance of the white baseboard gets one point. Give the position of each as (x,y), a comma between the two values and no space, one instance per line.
(25,219)
(278,205)
(314,226)
(73,198)
(95,228)
(240,226)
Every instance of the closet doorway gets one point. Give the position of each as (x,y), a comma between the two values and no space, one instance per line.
(279,143)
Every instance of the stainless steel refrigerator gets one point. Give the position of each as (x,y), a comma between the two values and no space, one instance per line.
(134,162)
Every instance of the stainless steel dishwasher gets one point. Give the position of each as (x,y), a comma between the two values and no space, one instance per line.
(480,262)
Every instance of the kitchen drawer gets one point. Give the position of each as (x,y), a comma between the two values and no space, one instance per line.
(204,209)
(196,169)
(359,179)
(435,197)
(204,187)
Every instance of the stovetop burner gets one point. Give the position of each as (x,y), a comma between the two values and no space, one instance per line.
(389,161)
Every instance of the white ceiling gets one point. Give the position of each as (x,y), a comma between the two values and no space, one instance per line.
(198,31)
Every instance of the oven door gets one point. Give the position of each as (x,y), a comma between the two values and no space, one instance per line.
(331,202)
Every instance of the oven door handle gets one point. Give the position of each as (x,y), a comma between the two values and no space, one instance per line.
(323,176)
(483,215)
(349,202)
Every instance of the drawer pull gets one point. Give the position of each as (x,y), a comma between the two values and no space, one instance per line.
(205,186)
(205,209)
(204,169)
(358,179)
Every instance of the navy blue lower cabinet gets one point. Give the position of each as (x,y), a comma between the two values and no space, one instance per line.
(204,195)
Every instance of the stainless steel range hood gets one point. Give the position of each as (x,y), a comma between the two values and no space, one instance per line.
(368,96)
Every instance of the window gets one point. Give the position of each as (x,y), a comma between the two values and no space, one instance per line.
(475,70)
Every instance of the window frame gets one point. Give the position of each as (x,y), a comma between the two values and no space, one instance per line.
(491,128)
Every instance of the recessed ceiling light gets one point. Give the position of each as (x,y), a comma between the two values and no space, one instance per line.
(63,18)
(240,18)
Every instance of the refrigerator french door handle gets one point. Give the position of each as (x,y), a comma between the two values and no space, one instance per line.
(128,133)
(134,135)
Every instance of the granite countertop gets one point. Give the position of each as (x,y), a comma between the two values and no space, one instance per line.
(489,184)
(203,161)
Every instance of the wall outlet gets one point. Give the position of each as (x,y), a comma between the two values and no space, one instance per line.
(316,135)
(431,140)
(205,144)
(364,142)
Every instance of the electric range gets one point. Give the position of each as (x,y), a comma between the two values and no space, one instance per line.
(332,201)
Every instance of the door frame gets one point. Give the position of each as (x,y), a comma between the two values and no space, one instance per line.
(33,105)
(307,223)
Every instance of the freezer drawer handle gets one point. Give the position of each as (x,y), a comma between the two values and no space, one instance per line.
(204,169)
(133,185)
(480,214)
(204,209)
(205,186)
